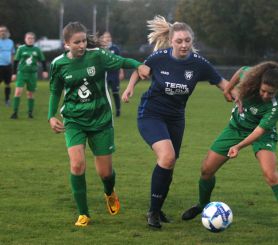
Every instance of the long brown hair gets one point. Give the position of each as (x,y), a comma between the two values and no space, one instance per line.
(265,72)
(75,27)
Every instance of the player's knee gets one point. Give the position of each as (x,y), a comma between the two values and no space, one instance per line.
(271,178)
(167,160)
(206,172)
(77,167)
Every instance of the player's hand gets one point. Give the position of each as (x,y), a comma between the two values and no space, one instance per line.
(228,95)
(233,152)
(144,72)
(56,125)
(13,77)
(127,94)
(45,74)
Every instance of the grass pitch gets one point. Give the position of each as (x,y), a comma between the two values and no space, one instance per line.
(37,206)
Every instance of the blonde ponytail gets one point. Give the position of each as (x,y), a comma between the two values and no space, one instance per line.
(160,32)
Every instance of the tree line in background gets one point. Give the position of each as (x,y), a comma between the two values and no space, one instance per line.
(244,30)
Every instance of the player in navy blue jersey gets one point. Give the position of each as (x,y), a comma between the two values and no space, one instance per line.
(113,77)
(174,72)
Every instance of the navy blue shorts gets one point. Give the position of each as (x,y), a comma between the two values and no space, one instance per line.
(153,130)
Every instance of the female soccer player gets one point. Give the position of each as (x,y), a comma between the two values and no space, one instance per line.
(252,124)
(113,77)
(26,67)
(86,112)
(161,115)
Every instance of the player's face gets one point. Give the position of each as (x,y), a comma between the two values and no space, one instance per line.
(181,43)
(77,44)
(2,32)
(106,39)
(29,39)
(267,92)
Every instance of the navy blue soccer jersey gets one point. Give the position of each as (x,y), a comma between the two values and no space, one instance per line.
(113,75)
(173,81)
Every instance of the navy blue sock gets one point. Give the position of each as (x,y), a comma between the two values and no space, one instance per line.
(7,93)
(117,101)
(161,180)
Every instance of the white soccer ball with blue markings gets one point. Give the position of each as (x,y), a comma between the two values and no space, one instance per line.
(217,216)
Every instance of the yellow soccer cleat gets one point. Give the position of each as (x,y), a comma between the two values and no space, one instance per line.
(83,220)
(113,203)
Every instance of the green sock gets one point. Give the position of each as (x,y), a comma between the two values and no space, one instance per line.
(275,190)
(109,183)
(78,185)
(31,105)
(205,190)
(16,104)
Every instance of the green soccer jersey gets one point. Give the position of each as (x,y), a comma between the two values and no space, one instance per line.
(243,70)
(86,97)
(256,113)
(28,58)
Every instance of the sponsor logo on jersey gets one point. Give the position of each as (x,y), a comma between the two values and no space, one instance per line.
(84,92)
(188,75)
(176,88)
(29,60)
(91,71)
(165,72)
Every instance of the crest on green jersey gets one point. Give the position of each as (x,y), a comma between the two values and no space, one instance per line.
(254,110)
(91,71)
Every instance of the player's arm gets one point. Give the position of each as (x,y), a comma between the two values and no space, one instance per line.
(121,74)
(16,59)
(257,133)
(134,78)
(115,62)
(56,88)
(230,91)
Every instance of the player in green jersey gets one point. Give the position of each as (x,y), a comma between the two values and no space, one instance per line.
(25,72)
(86,111)
(253,122)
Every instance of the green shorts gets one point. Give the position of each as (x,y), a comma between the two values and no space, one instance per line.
(30,79)
(100,142)
(231,136)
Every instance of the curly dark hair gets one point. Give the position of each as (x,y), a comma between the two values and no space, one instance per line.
(265,72)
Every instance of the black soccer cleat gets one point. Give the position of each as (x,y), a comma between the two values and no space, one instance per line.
(163,217)
(153,219)
(30,115)
(14,116)
(192,212)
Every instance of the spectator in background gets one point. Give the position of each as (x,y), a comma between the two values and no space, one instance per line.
(6,56)
(26,67)
(113,77)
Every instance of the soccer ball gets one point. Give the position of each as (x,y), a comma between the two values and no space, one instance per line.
(217,216)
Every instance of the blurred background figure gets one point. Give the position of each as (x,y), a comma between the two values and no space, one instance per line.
(6,57)
(113,77)
(25,71)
